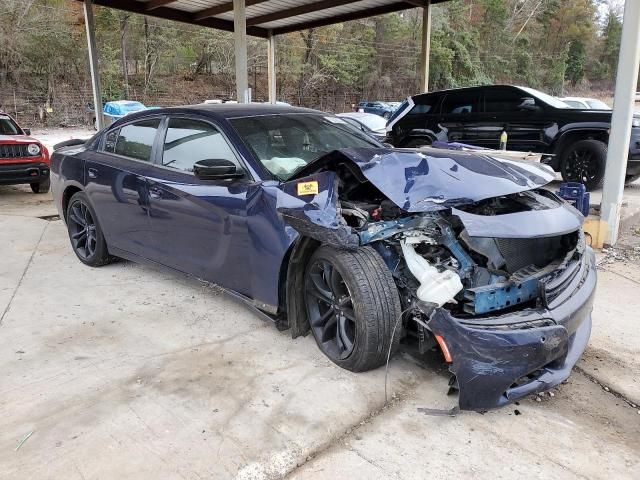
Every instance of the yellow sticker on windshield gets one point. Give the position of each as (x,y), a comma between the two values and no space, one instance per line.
(308,188)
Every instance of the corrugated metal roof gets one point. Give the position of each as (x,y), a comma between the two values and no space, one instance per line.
(278,16)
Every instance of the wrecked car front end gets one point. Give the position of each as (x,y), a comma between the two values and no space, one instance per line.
(490,268)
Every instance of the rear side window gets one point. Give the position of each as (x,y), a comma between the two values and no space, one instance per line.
(134,140)
(189,141)
(496,101)
(462,102)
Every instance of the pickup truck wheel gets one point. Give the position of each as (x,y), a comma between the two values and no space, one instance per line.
(584,161)
(353,305)
(41,187)
(85,233)
(629,179)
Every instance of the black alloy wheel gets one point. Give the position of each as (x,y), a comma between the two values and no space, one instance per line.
(584,162)
(85,234)
(353,307)
(82,228)
(330,309)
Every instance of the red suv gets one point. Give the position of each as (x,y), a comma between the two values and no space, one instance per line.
(22,159)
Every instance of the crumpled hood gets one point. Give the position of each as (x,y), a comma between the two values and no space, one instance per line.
(420,181)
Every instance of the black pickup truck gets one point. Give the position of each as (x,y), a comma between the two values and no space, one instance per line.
(574,140)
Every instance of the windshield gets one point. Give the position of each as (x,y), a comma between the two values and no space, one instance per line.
(285,143)
(548,99)
(372,122)
(8,126)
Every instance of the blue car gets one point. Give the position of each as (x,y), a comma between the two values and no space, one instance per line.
(378,108)
(321,229)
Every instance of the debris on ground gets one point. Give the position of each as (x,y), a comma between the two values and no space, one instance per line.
(26,437)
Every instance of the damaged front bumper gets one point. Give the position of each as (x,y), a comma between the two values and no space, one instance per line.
(498,360)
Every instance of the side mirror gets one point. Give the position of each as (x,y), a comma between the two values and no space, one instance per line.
(27,131)
(216,169)
(528,104)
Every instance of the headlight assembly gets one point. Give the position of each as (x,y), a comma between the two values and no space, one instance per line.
(33,149)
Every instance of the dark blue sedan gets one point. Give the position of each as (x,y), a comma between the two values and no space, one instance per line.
(321,229)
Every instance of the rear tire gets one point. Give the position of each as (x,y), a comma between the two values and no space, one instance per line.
(353,305)
(584,162)
(41,187)
(85,233)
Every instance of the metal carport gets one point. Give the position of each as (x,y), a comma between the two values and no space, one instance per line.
(259,18)
(269,18)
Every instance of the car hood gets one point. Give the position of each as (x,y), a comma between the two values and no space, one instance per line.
(17,139)
(430,179)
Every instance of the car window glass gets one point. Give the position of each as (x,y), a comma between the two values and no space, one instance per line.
(110,140)
(466,102)
(8,126)
(421,109)
(189,141)
(502,101)
(136,139)
(286,143)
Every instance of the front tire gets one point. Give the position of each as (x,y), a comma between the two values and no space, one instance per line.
(353,305)
(584,161)
(41,187)
(85,233)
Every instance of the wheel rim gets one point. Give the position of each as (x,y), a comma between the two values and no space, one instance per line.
(582,166)
(82,229)
(330,309)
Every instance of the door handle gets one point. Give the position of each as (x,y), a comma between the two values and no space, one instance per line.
(92,172)
(155,192)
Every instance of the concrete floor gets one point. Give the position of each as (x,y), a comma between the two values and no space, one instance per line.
(129,372)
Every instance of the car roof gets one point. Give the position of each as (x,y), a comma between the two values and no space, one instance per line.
(464,89)
(224,111)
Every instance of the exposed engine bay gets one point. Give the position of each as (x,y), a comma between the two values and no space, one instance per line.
(489,266)
(435,260)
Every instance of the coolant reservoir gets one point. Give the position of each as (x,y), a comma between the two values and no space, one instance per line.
(435,287)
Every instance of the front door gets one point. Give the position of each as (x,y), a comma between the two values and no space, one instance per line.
(116,185)
(199,226)
(512,111)
(460,119)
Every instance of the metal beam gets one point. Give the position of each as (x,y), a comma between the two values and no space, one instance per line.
(240,45)
(299,10)
(271,67)
(345,17)
(93,62)
(222,8)
(136,6)
(153,4)
(623,106)
(426,47)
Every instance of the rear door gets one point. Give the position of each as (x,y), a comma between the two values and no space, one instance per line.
(461,119)
(504,110)
(116,186)
(199,226)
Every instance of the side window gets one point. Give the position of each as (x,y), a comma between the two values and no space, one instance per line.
(136,139)
(466,102)
(496,101)
(189,141)
(110,141)
(426,105)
